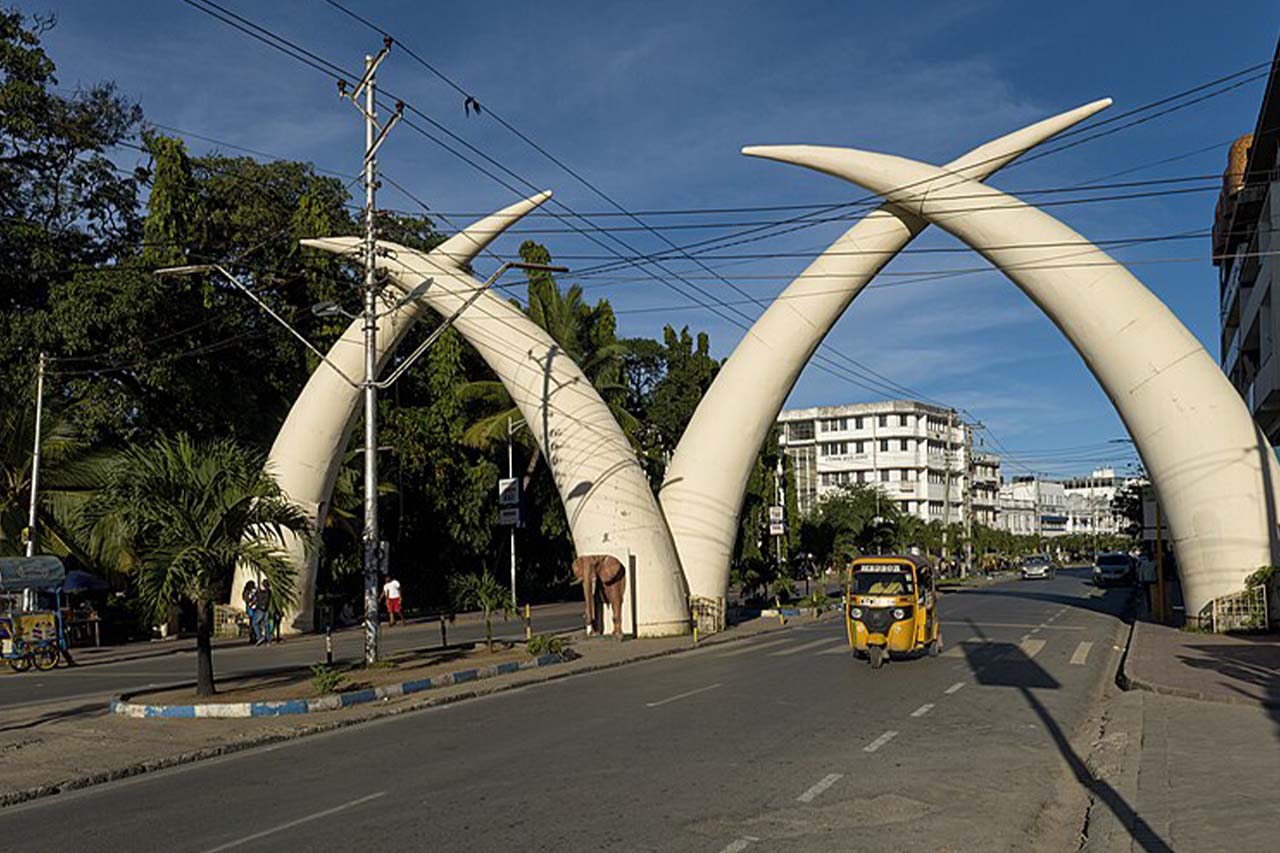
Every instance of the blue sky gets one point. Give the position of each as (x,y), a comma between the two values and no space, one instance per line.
(652,102)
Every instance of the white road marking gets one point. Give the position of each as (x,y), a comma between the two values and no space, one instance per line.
(841,648)
(1037,630)
(291,824)
(922,710)
(754,647)
(683,695)
(880,741)
(740,844)
(1031,648)
(1081,654)
(953,688)
(1014,625)
(823,784)
(802,647)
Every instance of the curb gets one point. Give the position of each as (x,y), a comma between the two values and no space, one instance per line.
(330,702)
(1128,681)
(14,798)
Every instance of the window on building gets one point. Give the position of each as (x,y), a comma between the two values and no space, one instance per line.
(905,444)
(884,475)
(857,422)
(902,420)
(862,476)
(844,424)
(859,447)
(800,430)
(883,420)
(884,445)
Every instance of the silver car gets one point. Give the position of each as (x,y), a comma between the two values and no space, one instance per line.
(1037,567)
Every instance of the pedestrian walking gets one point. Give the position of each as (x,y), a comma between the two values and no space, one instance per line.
(391,592)
(248,596)
(262,612)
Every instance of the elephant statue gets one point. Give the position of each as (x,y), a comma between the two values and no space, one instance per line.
(608,571)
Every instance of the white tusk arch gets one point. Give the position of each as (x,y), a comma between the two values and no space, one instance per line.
(1214,473)
(705,483)
(606,494)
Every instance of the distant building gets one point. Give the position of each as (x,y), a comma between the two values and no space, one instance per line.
(1030,506)
(918,454)
(1091,503)
(1246,239)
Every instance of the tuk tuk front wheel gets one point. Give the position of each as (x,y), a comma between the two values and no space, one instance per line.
(45,659)
(875,654)
(21,664)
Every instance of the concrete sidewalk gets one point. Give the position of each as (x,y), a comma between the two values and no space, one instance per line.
(1232,669)
(54,747)
(145,649)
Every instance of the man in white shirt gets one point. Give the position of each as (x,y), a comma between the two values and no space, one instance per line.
(391,592)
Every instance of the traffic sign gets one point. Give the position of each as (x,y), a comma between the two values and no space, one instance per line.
(775,515)
(509,491)
(509,516)
(777,529)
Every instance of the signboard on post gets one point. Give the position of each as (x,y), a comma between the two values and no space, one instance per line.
(777,528)
(775,515)
(509,502)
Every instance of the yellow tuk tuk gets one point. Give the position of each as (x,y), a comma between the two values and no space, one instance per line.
(891,608)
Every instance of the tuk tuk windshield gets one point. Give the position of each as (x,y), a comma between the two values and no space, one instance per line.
(883,581)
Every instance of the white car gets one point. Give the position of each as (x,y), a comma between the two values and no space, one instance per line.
(1037,567)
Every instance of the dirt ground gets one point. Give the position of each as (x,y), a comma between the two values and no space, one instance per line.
(297,683)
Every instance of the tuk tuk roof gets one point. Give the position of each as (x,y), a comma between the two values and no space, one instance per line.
(906,561)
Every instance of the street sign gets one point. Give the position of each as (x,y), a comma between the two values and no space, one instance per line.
(775,515)
(777,529)
(509,492)
(509,516)
(43,572)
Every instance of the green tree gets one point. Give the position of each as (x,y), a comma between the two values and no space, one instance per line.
(483,591)
(185,508)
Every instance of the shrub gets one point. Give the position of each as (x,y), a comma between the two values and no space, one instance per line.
(326,680)
(541,644)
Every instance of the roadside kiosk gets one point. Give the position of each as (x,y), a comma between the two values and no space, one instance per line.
(31,637)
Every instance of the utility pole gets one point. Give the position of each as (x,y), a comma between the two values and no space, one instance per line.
(511,428)
(374,135)
(946,488)
(968,501)
(35,460)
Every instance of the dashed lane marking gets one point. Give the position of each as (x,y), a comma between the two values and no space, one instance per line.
(684,695)
(291,824)
(1081,654)
(740,844)
(922,710)
(953,688)
(801,648)
(1031,648)
(754,647)
(823,784)
(880,741)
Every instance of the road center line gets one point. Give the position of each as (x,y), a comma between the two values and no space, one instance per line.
(683,695)
(1031,648)
(922,710)
(738,845)
(1081,654)
(823,784)
(880,741)
(291,824)
(802,647)
(953,688)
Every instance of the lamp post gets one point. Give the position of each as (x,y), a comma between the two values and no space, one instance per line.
(369,384)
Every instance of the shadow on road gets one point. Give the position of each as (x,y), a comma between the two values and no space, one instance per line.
(1007,665)
(53,716)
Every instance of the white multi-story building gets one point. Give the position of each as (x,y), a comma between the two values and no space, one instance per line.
(918,454)
(1091,503)
(1030,506)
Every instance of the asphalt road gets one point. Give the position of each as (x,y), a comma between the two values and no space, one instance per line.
(100,680)
(783,742)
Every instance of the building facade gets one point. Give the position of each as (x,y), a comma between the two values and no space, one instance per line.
(1246,237)
(919,455)
(1091,503)
(1030,506)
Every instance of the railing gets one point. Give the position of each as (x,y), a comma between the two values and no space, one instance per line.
(1239,611)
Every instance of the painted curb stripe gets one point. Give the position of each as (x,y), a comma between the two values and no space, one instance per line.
(332,702)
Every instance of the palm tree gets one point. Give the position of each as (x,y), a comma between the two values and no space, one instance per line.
(185,509)
(483,591)
(585,333)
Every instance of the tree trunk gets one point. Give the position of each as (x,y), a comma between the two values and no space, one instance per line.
(204,648)
(531,467)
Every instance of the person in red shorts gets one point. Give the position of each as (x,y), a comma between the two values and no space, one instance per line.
(391,592)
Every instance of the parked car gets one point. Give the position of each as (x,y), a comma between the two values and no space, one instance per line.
(1114,568)
(1038,567)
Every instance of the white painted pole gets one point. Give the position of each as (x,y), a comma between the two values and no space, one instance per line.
(370,533)
(510,476)
(35,460)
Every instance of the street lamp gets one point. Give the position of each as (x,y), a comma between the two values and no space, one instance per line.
(372,554)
